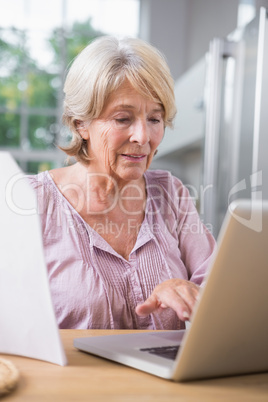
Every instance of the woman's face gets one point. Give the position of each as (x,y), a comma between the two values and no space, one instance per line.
(123,140)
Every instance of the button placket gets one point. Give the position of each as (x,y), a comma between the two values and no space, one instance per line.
(135,279)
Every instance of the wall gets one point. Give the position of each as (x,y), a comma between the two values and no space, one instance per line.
(182,29)
(208,19)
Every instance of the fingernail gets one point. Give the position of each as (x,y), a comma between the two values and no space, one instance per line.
(185,315)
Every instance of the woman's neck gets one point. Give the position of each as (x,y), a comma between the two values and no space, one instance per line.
(97,193)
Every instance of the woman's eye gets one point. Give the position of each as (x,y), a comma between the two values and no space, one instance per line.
(155,121)
(123,120)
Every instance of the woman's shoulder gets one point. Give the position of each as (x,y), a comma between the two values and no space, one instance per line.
(47,179)
(164,178)
(162,186)
(61,175)
(158,174)
(38,180)
(43,185)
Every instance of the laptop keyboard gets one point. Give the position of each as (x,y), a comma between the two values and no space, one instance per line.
(168,352)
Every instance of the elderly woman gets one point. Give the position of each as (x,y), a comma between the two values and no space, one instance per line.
(121,242)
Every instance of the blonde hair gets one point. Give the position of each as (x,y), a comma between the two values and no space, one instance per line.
(100,69)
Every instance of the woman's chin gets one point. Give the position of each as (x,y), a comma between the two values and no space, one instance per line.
(131,174)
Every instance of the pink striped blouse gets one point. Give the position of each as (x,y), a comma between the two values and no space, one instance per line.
(92,286)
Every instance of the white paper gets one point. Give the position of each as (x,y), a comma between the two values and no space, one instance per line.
(27,321)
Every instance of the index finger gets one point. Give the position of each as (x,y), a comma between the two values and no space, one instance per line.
(149,306)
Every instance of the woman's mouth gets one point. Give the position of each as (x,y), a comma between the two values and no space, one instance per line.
(134,157)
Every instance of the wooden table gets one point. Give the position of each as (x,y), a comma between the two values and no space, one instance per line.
(88,378)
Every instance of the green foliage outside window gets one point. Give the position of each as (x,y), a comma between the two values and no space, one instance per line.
(30,95)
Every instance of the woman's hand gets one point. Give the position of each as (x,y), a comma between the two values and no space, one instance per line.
(178,294)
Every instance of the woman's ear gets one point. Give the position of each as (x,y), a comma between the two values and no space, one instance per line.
(81,128)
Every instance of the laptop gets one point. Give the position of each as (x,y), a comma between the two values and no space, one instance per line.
(28,324)
(228,334)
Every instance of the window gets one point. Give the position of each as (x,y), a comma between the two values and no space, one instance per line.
(38,40)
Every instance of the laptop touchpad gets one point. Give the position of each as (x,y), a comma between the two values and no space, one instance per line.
(175,336)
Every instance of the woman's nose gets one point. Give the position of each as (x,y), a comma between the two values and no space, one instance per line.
(140,133)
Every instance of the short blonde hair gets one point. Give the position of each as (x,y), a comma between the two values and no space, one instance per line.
(100,69)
